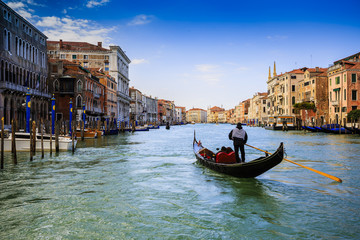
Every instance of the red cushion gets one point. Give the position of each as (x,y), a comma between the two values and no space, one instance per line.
(223,157)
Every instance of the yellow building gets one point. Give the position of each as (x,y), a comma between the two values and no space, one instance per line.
(196,115)
(213,115)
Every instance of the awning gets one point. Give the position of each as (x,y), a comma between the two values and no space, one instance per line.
(336,89)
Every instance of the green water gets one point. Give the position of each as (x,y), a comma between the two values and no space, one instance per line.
(147,185)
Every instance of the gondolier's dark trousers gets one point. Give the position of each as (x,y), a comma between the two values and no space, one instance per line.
(239,144)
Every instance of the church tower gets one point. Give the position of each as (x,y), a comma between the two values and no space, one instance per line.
(274,69)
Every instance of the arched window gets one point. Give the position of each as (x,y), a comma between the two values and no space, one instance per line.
(17,45)
(79,86)
(79,101)
(5,40)
(56,86)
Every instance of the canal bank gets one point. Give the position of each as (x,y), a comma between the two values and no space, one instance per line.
(147,185)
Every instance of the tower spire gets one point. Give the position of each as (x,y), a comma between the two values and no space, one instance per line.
(274,69)
(269,74)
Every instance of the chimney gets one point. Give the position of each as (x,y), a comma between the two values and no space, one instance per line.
(99,44)
(61,43)
(317,69)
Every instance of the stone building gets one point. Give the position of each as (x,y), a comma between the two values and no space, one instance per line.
(216,115)
(110,92)
(166,111)
(313,88)
(257,109)
(180,115)
(344,88)
(23,68)
(111,61)
(150,109)
(137,106)
(196,115)
(70,81)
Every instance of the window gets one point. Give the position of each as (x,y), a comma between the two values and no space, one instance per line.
(343,109)
(79,86)
(330,81)
(56,85)
(344,77)
(354,95)
(62,56)
(313,81)
(86,56)
(306,84)
(293,77)
(86,64)
(344,94)
(337,80)
(293,100)
(78,102)
(106,66)
(353,107)
(353,77)
(73,56)
(293,88)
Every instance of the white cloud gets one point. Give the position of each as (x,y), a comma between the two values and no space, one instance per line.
(275,37)
(141,20)
(210,74)
(22,10)
(206,67)
(139,61)
(70,29)
(96,3)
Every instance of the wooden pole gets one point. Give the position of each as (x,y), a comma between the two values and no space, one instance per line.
(2,144)
(311,169)
(73,137)
(57,130)
(42,138)
(51,136)
(82,130)
(13,150)
(31,142)
(34,137)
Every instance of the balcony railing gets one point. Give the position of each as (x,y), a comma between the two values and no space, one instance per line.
(335,103)
(19,88)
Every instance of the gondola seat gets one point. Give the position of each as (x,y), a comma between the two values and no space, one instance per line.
(223,157)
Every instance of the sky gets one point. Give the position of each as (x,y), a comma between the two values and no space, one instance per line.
(201,53)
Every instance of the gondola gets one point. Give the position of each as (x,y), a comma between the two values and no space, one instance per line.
(353,129)
(249,169)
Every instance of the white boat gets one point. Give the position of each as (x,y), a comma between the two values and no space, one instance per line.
(22,141)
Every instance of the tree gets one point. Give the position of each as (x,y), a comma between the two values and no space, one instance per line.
(304,105)
(354,115)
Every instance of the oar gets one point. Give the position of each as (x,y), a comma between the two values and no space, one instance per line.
(311,169)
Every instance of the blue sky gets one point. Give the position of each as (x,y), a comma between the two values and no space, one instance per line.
(205,53)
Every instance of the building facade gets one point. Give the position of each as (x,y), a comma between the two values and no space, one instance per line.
(166,111)
(23,69)
(72,82)
(180,115)
(111,61)
(344,89)
(196,115)
(150,110)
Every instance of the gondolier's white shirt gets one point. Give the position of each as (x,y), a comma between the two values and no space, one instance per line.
(238,133)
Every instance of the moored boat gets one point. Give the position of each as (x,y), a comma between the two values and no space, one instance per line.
(22,141)
(249,169)
(87,133)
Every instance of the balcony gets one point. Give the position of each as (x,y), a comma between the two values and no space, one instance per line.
(335,103)
(23,89)
(96,95)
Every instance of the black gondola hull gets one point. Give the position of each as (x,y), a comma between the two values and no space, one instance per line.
(250,169)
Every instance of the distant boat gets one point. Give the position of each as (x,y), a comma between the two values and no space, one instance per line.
(87,133)
(281,123)
(22,141)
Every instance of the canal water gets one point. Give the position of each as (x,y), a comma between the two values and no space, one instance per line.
(147,185)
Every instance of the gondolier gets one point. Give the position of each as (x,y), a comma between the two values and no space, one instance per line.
(239,137)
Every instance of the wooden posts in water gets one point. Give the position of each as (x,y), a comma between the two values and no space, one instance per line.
(42,138)
(57,130)
(51,132)
(73,136)
(82,129)
(2,144)
(13,141)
